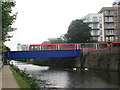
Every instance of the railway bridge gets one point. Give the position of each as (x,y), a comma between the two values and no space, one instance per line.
(30,55)
(42,54)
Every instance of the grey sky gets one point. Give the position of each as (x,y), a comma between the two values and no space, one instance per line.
(39,20)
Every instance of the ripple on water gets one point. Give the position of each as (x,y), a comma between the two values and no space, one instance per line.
(71,79)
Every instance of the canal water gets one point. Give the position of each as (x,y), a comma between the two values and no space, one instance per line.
(71,79)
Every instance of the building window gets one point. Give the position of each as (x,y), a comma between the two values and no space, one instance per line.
(115,20)
(107,33)
(116,38)
(94,19)
(100,19)
(100,32)
(100,25)
(95,26)
(109,12)
(109,26)
(111,32)
(100,38)
(106,38)
(108,19)
(95,38)
(111,38)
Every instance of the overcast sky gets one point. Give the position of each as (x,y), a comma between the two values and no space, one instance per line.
(38,20)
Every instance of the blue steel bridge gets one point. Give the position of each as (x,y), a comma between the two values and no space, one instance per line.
(41,54)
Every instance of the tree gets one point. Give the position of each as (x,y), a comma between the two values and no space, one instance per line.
(4,48)
(7,20)
(57,40)
(54,40)
(78,31)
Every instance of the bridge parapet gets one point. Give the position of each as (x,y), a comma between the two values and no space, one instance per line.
(42,54)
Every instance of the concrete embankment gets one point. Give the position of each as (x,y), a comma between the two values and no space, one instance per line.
(107,60)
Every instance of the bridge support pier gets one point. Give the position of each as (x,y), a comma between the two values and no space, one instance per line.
(31,61)
(80,61)
(77,63)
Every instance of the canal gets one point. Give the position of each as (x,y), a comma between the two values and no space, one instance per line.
(51,78)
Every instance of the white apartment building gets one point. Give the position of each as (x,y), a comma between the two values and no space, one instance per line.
(22,47)
(105,24)
(110,23)
(95,22)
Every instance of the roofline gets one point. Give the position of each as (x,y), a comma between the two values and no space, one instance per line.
(107,8)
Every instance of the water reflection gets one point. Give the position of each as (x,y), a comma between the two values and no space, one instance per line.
(73,79)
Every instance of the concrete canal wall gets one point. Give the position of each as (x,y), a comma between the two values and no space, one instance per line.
(103,60)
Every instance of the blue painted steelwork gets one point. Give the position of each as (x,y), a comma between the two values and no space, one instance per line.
(42,54)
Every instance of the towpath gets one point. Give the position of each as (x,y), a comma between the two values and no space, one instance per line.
(8,81)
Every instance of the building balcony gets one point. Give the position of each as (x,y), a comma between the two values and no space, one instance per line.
(95,35)
(95,28)
(110,40)
(95,21)
(111,28)
(110,15)
(111,34)
(109,21)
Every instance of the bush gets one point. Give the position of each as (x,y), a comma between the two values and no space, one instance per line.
(31,80)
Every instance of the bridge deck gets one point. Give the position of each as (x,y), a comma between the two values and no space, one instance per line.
(42,54)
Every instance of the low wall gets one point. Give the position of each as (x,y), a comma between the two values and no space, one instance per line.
(103,60)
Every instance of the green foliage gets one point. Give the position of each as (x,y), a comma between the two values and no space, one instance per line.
(30,81)
(19,79)
(78,31)
(1,68)
(4,48)
(58,40)
(7,20)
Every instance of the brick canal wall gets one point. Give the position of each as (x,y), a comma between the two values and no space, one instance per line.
(103,60)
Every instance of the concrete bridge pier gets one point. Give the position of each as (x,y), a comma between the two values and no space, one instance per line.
(80,61)
(77,62)
(31,61)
